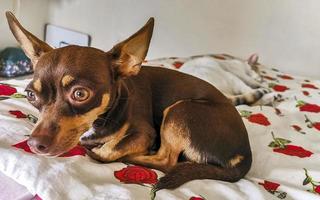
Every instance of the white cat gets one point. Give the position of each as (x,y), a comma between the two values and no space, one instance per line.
(233,77)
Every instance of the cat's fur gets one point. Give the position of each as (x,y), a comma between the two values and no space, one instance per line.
(233,77)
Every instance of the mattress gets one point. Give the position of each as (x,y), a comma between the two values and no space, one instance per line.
(284,138)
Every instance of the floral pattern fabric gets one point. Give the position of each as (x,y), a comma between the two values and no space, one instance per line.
(284,138)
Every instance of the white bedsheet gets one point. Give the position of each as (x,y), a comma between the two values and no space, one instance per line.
(274,173)
(12,190)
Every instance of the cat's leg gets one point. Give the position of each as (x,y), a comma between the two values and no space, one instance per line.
(250,81)
(239,86)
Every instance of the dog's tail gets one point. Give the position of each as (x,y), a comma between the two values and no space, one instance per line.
(249,98)
(184,172)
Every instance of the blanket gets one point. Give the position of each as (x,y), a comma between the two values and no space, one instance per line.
(284,138)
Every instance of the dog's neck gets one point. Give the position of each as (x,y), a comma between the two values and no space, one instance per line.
(116,115)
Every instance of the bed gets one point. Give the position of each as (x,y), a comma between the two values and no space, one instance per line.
(284,138)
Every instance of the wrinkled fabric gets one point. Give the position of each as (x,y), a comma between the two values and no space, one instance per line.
(284,139)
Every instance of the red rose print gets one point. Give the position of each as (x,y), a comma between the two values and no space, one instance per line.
(309,180)
(136,174)
(278,88)
(269,78)
(312,124)
(259,119)
(270,186)
(255,118)
(308,85)
(317,189)
(316,125)
(7,90)
(310,108)
(18,113)
(307,107)
(281,145)
(298,129)
(293,150)
(196,198)
(306,93)
(285,77)
(23,145)
(177,64)
(78,150)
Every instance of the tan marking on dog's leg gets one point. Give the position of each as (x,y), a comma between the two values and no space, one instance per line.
(178,129)
(172,144)
(173,141)
(66,80)
(235,160)
(193,154)
(120,145)
(37,85)
(107,153)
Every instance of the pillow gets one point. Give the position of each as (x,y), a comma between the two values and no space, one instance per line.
(13,62)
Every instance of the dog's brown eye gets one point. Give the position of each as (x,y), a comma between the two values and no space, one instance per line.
(31,96)
(81,94)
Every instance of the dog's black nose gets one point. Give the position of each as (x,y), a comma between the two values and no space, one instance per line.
(38,144)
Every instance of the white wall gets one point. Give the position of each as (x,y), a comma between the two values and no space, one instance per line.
(32,14)
(285,33)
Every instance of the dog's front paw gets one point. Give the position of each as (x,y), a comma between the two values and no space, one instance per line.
(92,154)
(104,154)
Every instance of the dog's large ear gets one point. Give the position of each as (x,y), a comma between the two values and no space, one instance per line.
(31,45)
(128,55)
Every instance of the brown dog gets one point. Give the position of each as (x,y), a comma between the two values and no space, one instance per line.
(133,110)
